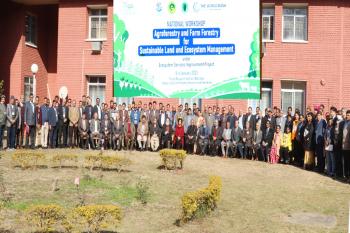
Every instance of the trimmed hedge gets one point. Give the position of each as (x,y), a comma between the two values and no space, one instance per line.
(33,159)
(106,162)
(44,217)
(28,159)
(201,202)
(48,218)
(96,217)
(62,158)
(173,159)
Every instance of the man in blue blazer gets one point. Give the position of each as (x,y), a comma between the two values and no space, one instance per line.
(30,121)
(53,124)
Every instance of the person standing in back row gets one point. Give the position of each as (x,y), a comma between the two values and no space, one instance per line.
(30,121)
(12,116)
(2,119)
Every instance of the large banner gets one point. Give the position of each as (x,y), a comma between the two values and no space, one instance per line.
(187,48)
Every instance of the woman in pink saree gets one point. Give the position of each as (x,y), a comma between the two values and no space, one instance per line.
(276,144)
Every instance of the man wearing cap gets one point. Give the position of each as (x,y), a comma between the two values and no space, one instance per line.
(2,119)
(12,116)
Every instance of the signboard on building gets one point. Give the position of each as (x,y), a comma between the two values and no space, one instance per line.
(187,49)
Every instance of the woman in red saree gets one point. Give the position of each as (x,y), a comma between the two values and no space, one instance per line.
(179,135)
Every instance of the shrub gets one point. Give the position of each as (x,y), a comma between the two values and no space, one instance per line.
(93,161)
(142,188)
(172,159)
(97,217)
(114,162)
(201,202)
(62,158)
(27,159)
(106,162)
(44,217)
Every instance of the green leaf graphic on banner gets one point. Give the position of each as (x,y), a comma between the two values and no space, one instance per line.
(254,57)
(120,37)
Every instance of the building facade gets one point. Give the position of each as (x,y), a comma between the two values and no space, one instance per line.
(306,53)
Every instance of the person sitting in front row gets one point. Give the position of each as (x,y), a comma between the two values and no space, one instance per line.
(84,132)
(117,132)
(179,135)
(129,135)
(203,137)
(154,132)
(142,133)
(167,134)
(95,131)
(226,140)
(191,136)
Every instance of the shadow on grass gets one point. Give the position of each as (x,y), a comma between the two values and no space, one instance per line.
(63,167)
(109,169)
(31,167)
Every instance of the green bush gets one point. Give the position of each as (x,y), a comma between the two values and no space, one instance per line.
(201,202)
(173,159)
(142,188)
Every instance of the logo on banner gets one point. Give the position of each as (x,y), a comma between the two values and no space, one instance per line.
(172,8)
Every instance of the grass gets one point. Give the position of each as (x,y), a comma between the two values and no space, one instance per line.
(256,197)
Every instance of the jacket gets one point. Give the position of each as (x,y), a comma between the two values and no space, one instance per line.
(139,129)
(308,136)
(95,126)
(130,134)
(11,114)
(29,114)
(286,141)
(73,115)
(44,111)
(3,115)
(52,116)
(345,134)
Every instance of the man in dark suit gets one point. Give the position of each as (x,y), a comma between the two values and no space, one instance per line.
(53,124)
(83,127)
(62,124)
(248,117)
(88,110)
(256,117)
(344,129)
(268,117)
(30,121)
(123,114)
(267,141)
(97,108)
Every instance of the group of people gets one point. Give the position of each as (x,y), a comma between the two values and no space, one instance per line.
(317,140)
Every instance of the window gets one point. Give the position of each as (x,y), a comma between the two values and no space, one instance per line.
(31,29)
(268,15)
(266,98)
(295,24)
(29,87)
(98,24)
(97,88)
(293,95)
(126,100)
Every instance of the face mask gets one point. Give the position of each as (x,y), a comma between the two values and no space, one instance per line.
(339,117)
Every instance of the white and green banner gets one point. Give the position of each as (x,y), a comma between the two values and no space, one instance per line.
(187,49)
